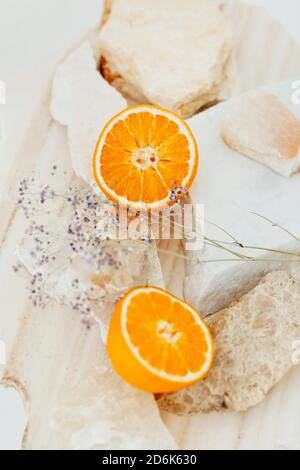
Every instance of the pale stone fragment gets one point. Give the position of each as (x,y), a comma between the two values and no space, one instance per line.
(250,212)
(254,341)
(165,53)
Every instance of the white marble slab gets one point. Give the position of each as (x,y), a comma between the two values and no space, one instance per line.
(235,190)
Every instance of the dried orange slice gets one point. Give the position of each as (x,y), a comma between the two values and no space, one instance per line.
(146,158)
(157,342)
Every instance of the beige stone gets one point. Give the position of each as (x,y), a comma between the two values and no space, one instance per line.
(260,126)
(163,53)
(254,341)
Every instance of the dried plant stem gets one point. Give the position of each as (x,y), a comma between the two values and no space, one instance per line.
(235,253)
(220,244)
(274,224)
(173,253)
(260,248)
(225,246)
(212,242)
(226,260)
(259,260)
(236,242)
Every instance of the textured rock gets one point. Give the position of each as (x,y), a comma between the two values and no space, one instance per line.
(233,188)
(254,341)
(261,127)
(83,101)
(166,54)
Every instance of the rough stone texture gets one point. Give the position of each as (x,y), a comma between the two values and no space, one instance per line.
(84,102)
(254,341)
(260,126)
(166,54)
(235,192)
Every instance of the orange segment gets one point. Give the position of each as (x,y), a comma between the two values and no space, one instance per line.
(163,129)
(158,146)
(112,155)
(157,342)
(153,186)
(167,170)
(115,173)
(175,148)
(120,138)
(131,186)
(139,125)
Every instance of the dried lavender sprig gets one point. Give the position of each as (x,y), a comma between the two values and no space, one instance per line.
(81,239)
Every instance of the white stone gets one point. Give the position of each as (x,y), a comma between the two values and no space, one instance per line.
(83,101)
(254,350)
(167,53)
(232,187)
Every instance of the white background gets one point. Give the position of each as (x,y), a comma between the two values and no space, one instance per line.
(31,32)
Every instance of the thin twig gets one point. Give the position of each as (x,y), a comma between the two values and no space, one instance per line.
(224,231)
(274,224)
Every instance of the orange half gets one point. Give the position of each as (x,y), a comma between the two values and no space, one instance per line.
(157,342)
(146,158)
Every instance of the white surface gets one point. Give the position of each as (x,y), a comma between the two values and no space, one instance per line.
(288,11)
(12,422)
(213,286)
(31,32)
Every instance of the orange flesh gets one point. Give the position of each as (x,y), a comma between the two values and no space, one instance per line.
(144,157)
(156,343)
(169,339)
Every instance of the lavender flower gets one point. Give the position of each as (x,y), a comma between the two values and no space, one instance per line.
(83,240)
